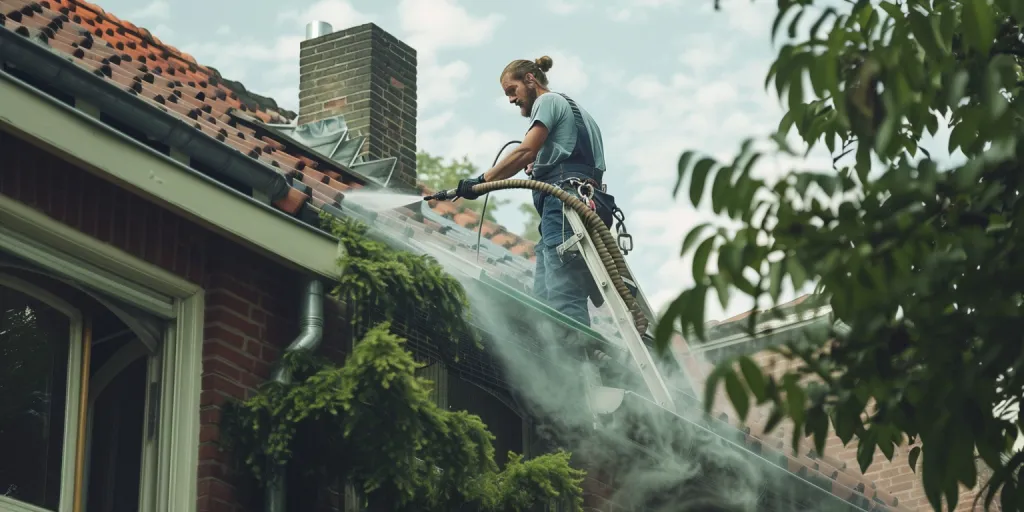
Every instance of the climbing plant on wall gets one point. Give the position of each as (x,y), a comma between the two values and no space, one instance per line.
(371,420)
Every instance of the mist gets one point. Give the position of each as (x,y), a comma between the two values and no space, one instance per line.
(655,460)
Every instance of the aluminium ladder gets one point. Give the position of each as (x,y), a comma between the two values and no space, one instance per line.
(604,400)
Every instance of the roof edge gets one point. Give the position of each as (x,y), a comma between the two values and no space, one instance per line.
(63,74)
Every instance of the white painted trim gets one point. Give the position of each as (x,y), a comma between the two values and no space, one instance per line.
(79,138)
(179,409)
(174,468)
(9,505)
(72,386)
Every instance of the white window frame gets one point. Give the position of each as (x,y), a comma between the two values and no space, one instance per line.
(72,388)
(170,464)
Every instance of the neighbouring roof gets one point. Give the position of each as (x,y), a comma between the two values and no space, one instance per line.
(316,162)
(845,481)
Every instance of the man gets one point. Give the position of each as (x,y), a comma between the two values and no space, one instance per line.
(562,142)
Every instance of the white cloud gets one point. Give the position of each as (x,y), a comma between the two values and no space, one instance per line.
(155,10)
(431,26)
(568,73)
(440,84)
(703,51)
(235,58)
(563,7)
(223,30)
(339,13)
(163,32)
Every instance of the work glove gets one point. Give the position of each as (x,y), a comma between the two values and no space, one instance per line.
(465,188)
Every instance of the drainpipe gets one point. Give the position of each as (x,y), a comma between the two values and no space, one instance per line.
(311,330)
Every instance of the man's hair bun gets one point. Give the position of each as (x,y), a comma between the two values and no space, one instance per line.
(544,63)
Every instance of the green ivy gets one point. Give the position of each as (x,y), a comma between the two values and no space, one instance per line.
(372,420)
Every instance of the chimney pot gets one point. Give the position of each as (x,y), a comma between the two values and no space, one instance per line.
(315,29)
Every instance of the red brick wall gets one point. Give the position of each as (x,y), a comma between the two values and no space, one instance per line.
(894,477)
(250,301)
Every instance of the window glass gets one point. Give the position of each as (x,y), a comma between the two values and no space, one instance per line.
(33,383)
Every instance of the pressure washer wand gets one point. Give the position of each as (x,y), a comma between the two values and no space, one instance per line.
(443,195)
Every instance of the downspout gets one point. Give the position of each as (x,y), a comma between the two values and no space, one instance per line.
(311,331)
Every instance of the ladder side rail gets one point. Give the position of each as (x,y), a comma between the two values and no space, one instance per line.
(621,315)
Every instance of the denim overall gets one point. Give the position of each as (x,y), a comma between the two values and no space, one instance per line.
(564,281)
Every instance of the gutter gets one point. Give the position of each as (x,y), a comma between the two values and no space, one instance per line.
(45,64)
(311,330)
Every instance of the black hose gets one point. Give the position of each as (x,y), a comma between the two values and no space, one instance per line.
(483,211)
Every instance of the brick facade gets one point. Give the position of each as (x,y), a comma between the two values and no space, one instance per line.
(893,477)
(251,302)
(369,76)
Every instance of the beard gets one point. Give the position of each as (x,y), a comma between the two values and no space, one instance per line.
(526,105)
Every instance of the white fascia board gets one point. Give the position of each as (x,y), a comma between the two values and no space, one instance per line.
(85,141)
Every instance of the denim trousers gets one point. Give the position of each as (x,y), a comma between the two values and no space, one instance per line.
(563,282)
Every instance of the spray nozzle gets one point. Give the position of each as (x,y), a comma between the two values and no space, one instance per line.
(442,195)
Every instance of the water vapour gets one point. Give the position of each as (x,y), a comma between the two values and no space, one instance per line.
(659,461)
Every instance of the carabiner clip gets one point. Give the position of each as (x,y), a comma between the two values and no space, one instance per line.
(625,243)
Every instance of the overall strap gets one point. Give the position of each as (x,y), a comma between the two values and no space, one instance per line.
(583,149)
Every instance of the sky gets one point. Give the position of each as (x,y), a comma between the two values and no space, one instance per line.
(659,76)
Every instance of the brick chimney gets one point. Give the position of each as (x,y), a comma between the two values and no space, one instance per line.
(369,76)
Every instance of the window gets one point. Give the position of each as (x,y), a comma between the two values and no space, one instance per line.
(37,363)
(100,368)
(53,452)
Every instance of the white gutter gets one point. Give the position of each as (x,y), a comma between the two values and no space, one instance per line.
(101,150)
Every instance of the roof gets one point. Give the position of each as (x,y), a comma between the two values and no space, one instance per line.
(318,163)
(142,65)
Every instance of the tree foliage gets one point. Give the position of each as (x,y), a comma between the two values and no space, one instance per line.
(530,232)
(437,175)
(917,256)
(372,422)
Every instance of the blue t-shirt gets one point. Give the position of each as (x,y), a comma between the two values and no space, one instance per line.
(554,112)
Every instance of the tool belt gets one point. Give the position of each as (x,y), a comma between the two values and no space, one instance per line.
(595,195)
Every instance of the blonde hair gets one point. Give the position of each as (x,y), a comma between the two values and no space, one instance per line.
(519,68)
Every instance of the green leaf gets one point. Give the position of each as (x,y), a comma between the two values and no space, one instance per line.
(816,27)
(691,237)
(698,178)
(887,448)
(721,189)
(846,420)
(979,25)
(796,399)
(700,258)
(915,452)
(923,31)
(665,328)
(817,425)
(722,287)
(754,378)
(783,9)
(796,272)
(683,169)
(696,310)
(794,23)
(865,453)
(710,387)
(737,393)
(775,280)
(774,418)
